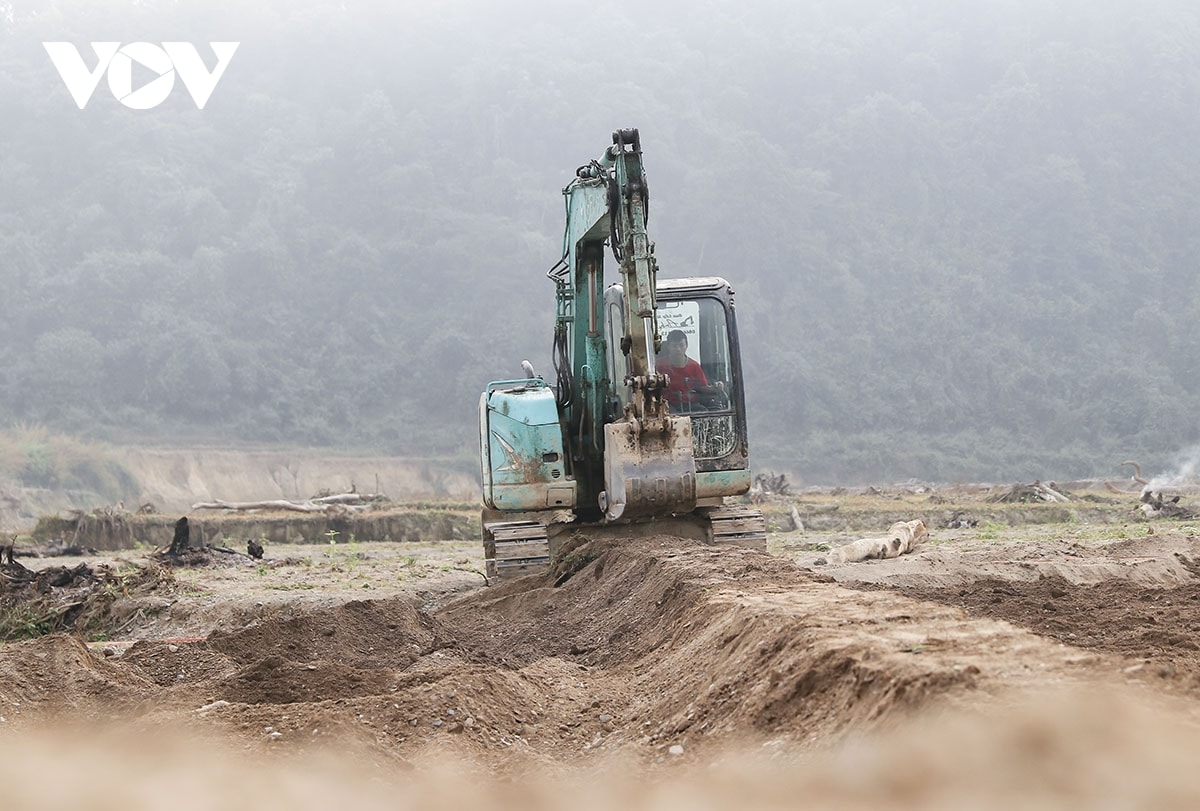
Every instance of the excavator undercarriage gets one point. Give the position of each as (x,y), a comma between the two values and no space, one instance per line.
(515,547)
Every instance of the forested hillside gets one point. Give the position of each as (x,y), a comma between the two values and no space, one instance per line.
(963,236)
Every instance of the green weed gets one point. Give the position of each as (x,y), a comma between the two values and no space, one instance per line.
(26,620)
(989,531)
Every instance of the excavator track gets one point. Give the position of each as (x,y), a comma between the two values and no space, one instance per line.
(515,548)
(741,526)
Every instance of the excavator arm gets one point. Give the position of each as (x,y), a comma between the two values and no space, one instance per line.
(645,464)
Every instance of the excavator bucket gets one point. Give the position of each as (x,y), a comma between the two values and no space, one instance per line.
(649,469)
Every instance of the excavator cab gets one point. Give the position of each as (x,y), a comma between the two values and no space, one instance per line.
(702,309)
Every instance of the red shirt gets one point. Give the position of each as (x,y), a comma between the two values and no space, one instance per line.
(684,380)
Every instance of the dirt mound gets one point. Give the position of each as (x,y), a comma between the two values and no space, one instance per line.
(275,680)
(1110,749)
(699,643)
(630,599)
(361,634)
(1158,626)
(171,663)
(57,675)
(654,648)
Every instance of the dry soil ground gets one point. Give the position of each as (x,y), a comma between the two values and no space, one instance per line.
(1051,665)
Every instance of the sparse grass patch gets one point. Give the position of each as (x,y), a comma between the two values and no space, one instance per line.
(26,619)
(989,531)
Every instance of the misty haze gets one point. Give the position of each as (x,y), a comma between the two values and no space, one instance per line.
(920,532)
(961,237)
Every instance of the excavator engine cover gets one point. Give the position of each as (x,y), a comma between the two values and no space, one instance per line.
(523,459)
(648,470)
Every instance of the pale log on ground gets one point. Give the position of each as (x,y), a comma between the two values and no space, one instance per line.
(797,523)
(277,504)
(312,505)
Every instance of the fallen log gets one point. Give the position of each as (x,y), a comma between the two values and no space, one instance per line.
(348,498)
(351,501)
(277,504)
(797,522)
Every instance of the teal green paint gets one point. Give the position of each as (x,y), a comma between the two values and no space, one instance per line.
(525,460)
(722,483)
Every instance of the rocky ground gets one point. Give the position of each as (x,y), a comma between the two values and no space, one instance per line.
(1036,665)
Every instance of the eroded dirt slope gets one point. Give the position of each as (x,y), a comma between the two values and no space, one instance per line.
(655,644)
(665,655)
(1147,609)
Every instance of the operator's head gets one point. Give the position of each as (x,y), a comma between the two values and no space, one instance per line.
(677,344)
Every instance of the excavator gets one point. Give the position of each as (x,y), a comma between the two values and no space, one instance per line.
(643,430)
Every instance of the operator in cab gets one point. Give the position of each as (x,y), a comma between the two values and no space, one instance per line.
(689,388)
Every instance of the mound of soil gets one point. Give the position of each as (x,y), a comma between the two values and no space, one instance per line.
(659,654)
(57,676)
(656,648)
(1138,598)
(363,634)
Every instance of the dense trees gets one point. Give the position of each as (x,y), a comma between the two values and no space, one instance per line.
(962,237)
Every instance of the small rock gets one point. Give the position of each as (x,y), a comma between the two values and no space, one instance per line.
(437,722)
(274,736)
(605,718)
(412,722)
(469,721)
(173,648)
(677,749)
